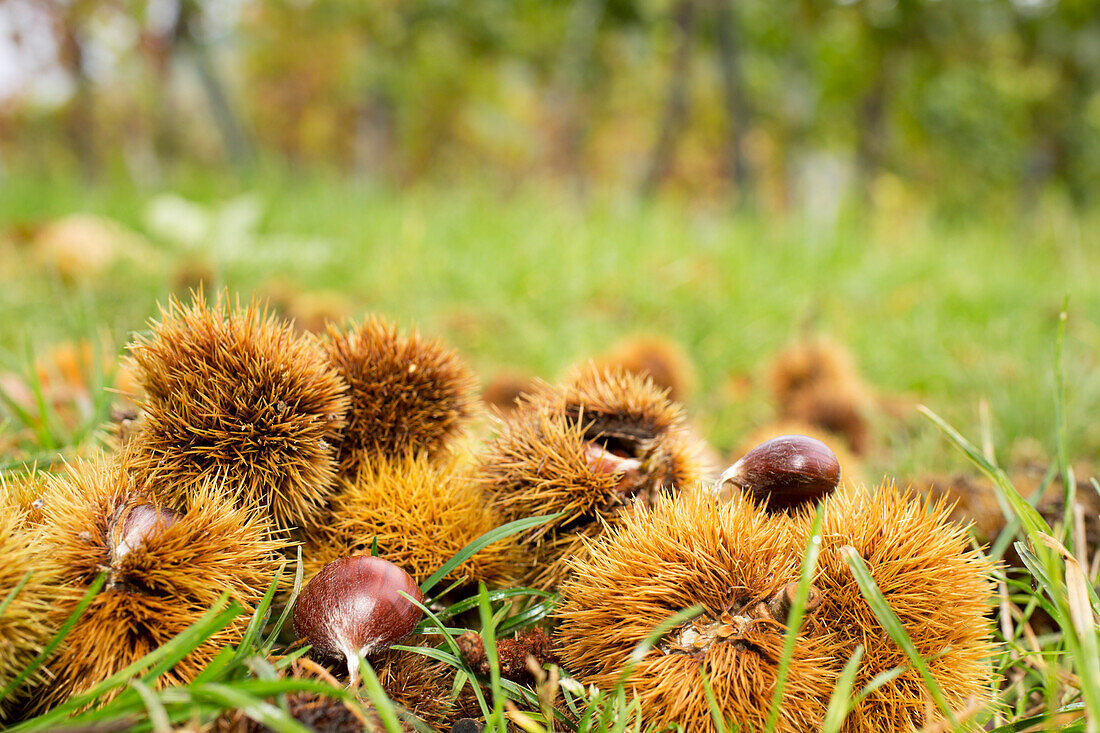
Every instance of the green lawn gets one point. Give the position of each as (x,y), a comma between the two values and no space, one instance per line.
(534,280)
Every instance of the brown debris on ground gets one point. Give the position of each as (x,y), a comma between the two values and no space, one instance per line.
(517,657)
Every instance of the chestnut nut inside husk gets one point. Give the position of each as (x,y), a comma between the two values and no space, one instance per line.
(134,524)
(784,473)
(354,608)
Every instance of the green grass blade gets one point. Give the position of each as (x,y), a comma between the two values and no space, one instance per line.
(715,711)
(794,617)
(494,595)
(55,642)
(457,653)
(840,700)
(518,692)
(273,637)
(1033,522)
(218,665)
(13,593)
(382,703)
(489,640)
(1069,483)
(254,708)
(431,652)
(47,434)
(890,621)
(526,618)
(161,659)
(168,655)
(1036,723)
(481,543)
(642,648)
(244,648)
(158,716)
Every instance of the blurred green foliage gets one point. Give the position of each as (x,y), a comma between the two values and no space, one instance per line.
(967,102)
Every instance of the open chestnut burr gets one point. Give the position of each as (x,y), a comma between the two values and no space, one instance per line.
(784,473)
(356,607)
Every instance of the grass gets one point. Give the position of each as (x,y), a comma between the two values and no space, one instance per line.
(944,314)
(947,315)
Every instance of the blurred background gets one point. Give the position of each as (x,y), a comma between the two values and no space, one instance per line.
(537,180)
(782,104)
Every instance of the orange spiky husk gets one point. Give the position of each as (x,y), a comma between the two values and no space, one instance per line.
(675,554)
(157,588)
(234,396)
(541,461)
(421,511)
(658,358)
(408,394)
(816,381)
(939,587)
(25,625)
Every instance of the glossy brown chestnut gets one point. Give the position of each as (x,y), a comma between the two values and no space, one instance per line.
(354,607)
(784,472)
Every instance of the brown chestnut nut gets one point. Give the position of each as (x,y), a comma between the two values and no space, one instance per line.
(601,460)
(354,608)
(136,522)
(784,472)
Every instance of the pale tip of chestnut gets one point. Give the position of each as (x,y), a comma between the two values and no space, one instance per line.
(355,607)
(137,523)
(784,472)
(601,460)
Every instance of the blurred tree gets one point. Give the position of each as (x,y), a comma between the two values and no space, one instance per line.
(954,101)
(69,21)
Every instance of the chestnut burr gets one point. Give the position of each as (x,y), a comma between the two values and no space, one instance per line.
(784,472)
(355,607)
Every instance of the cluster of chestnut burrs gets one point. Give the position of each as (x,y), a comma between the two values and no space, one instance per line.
(367,451)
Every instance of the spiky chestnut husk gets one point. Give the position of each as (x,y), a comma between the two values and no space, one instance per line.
(164,571)
(235,396)
(816,381)
(25,625)
(408,394)
(738,563)
(24,493)
(422,511)
(586,449)
(933,580)
(658,358)
(417,683)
